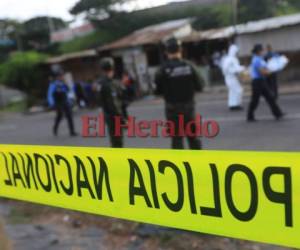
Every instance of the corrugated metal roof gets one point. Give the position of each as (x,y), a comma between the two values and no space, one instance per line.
(250,27)
(149,35)
(69,56)
(210,34)
(270,23)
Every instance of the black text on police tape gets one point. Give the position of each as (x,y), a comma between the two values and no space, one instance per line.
(24,170)
(28,174)
(186,180)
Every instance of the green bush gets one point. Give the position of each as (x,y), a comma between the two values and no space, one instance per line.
(21,72)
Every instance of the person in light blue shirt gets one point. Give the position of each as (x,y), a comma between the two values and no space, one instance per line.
(259,73)
(258,66)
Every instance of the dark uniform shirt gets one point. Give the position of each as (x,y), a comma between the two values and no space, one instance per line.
(111,96)
(60,93)
(177,81)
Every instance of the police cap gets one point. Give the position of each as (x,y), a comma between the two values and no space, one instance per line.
(107,64)
(173,45)
(56,70)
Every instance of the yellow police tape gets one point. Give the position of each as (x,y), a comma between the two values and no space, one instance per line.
(245,195)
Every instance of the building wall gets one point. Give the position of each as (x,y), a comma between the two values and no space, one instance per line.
(285,39)
(82,69)
(291,73)
(135,62)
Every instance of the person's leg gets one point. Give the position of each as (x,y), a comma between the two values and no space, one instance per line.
(58,118)
(256,93)
(270,85)
(236,95)
(177,142)
(272,102)
(115,141)
(172,114)
(124,110)
(193,140)
(69,116)
(231,96)
(230,93)
(194,143)
(239,91)
(275,86)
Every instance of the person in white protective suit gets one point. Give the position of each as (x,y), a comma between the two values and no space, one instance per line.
(231,68)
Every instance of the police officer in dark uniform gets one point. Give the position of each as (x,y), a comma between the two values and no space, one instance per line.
(111,98)
(272,77)
(177,81)
(58,99)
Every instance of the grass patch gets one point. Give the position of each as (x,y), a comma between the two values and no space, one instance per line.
(15,107)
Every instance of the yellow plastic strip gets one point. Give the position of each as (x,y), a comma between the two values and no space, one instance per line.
(245,195)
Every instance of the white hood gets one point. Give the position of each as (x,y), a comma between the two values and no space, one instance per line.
(233,50)
(231,65)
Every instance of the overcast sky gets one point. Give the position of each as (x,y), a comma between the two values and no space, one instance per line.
(26,9)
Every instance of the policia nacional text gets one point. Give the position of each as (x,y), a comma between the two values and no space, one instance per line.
(90,177)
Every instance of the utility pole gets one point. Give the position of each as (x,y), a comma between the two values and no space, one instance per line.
(234,6)
(19,40)
(51,26)
(50,22)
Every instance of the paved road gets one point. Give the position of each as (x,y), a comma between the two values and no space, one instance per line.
(235,133)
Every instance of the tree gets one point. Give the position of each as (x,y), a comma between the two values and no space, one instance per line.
(36,31)
(122,23)
(293,3)
(286,7)
(100,8)
(212,17)
(250,10)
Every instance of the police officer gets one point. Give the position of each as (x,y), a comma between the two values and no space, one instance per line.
(111,98)
(177,80)
(259,73)
(58,99)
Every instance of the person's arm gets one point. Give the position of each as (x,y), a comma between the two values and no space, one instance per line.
(237,67)
(199,80)
(232,66)
(159,81)
(50,95)
(262,67)
(264,71)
